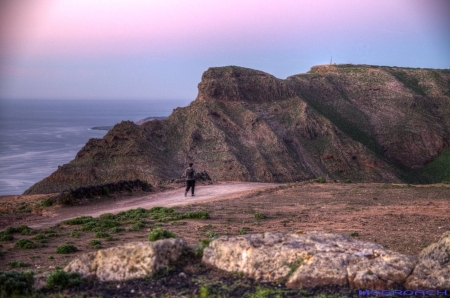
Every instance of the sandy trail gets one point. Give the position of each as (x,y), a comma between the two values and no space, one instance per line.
(168,198)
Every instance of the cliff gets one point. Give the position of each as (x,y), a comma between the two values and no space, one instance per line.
(357,122)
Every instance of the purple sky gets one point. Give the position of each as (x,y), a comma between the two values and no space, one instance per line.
(158,49)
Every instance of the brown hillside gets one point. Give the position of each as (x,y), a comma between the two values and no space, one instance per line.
(363,123)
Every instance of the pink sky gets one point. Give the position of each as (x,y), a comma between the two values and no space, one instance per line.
(38,36)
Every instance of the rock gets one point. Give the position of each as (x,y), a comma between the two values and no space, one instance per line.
(310,259)
(132,260)
(433,269)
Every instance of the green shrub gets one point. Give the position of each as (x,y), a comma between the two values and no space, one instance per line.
(105,216)
(66,249)
(18,264)
(129,189)
(25,230)
(108,224)
(60,279)
(25,244)
(116,230)
(258,215)
(14,283)
(158,234)
(136,226)
(211,234)
(321,180)
(40,237)
(46,203)
(79,220)
(198,251)
(354,234)
(102,235)
(6,236)
(91,226)
(95,242)
(347,181)
(10,230)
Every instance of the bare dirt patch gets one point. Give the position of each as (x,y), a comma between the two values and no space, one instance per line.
(404,218)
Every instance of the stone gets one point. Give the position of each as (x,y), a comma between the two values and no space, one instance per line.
(433,269)
(132,260)
(310,259)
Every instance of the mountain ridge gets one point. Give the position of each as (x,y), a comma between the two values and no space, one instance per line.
(357,122)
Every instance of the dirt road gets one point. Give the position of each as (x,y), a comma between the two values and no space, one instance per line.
(168,198)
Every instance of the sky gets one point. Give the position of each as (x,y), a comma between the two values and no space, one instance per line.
(158,49)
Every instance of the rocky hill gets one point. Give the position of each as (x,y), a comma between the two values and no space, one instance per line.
(357,122)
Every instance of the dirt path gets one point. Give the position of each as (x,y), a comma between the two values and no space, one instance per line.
(168,198)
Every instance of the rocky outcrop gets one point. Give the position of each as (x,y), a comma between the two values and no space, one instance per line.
(313,259)
(357,122)
(132,260)
(433,269)
(300,260)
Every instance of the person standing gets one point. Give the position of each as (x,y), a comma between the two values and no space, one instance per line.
(190,179)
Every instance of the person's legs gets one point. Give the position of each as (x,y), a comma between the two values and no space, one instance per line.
(193,186)
(188,186)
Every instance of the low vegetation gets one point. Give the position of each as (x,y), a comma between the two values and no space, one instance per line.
(18,264)
(25,244)
(17,284)
(66,249)
(59,279)
(158,234)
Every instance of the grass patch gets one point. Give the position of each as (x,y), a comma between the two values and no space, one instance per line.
(74,234)
(102,235)
(136,226)
(79,220)
(66,249)
(258,215)
(243,230)
(178,223)
(18,264)
(158,234)
(135,214)
(107,216)
(321,180)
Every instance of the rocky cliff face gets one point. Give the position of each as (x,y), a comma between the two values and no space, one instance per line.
(364,123)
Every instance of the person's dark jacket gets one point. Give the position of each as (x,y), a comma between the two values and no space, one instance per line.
(190,173)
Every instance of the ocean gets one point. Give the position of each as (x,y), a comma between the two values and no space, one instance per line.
(36,136)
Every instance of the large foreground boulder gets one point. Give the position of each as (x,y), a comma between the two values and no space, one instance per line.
(132,260)
(433,269)
(311,259)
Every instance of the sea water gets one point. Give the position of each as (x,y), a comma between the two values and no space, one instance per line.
(36,136)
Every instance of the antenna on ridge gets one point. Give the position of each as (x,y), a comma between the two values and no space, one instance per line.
(331,61)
